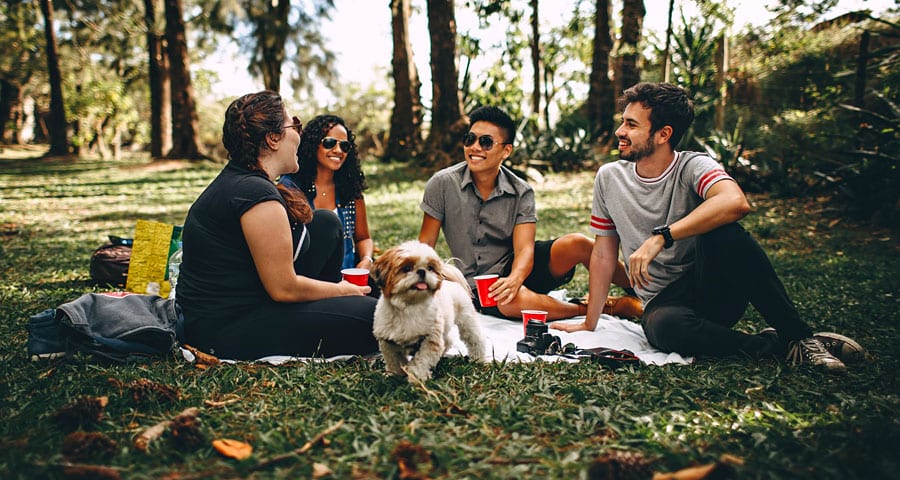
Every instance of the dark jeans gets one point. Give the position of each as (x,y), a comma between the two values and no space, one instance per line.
(695,314)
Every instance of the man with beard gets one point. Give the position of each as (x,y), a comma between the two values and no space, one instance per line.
(674,215)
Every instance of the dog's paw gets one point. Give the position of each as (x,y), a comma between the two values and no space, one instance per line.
(418,375)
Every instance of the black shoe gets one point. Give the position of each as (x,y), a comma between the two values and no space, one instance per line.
(811,351)
(844,348)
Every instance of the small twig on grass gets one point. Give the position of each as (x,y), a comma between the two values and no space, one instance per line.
(221,403)
(420,383)
(299,451)
(509,461)
(142,441)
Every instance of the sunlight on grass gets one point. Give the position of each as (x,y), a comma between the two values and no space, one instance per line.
(498,420)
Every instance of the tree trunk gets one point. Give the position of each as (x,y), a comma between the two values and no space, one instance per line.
(272,31)
(862,59)
(667,55)
(11,111)
(447,122)
(629,48)
(59,143)
(721,87)
(160,88)
(601,97)
(406,117)
(184,111)
(535,60)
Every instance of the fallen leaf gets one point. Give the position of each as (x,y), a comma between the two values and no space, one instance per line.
(721,470)
(233,448)
(319,470)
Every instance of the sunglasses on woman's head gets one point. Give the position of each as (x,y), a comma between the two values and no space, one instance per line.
(295,124)
(330,142)
(487,142)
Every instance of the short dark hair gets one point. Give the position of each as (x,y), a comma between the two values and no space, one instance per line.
(669,105)
(495,115)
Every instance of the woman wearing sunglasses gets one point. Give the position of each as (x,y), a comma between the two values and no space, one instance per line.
(261,270)
(331,177)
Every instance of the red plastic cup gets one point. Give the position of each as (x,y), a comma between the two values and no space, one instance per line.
(483,284)
(539,315)
(356,276)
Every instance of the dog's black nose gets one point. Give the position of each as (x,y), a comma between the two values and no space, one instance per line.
(421,273)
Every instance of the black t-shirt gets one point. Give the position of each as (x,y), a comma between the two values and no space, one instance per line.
(218,283)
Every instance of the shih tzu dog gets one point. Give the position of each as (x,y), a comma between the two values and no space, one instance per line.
(421,298)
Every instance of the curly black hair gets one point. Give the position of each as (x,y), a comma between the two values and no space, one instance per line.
(349,180)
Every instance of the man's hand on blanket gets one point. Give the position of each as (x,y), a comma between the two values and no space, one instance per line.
(571,327)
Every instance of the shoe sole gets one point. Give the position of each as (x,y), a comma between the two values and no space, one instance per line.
(850,352)
(47,356)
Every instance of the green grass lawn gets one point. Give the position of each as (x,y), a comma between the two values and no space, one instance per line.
(538,420)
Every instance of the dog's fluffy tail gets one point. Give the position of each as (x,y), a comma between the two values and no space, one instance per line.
(454,274)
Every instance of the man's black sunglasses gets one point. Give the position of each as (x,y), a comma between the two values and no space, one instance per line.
(330,142)
(487,142)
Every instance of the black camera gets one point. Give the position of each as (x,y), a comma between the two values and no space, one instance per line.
(537,341)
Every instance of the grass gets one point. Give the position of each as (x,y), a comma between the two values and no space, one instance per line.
(535,420)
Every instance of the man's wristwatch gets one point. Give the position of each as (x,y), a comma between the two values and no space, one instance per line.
(666,234)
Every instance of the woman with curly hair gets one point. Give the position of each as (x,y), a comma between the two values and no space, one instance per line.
(261,269)
(331,177)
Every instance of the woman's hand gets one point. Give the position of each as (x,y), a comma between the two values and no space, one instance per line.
(365,262)
(348,289)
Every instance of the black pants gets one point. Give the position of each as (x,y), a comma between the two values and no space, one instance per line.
(695,314)
(324,328)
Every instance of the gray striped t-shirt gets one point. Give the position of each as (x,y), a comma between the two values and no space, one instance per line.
(630,206)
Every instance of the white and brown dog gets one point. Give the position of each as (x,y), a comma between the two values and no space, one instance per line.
(421,298)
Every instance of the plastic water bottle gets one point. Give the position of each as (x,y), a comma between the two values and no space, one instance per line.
(174,269)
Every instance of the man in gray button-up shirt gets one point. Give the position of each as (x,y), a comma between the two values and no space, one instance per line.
(488,217)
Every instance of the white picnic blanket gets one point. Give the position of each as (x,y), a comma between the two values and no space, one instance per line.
(502,335)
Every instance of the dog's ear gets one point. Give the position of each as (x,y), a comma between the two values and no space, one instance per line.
(380,269)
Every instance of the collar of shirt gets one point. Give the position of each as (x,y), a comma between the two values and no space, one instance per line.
(503,184)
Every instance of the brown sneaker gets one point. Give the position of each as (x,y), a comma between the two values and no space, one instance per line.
(627,307)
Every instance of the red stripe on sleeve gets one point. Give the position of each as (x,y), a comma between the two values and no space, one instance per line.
(602,223)
(709,178)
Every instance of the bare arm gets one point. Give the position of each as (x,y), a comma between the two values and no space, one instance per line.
(506,288)
(725,203)
(268,233)
(604,258)
(431,228)
(365,247)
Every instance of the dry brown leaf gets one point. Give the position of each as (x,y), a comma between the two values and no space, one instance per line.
(690,473)
(233,448)
(720,470)
(319,471)
(201,358)
(84,410)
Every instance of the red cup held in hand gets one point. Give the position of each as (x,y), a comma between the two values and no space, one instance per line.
(356,276)
(483,284)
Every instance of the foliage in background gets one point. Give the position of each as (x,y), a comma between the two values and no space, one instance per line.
(798,131)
